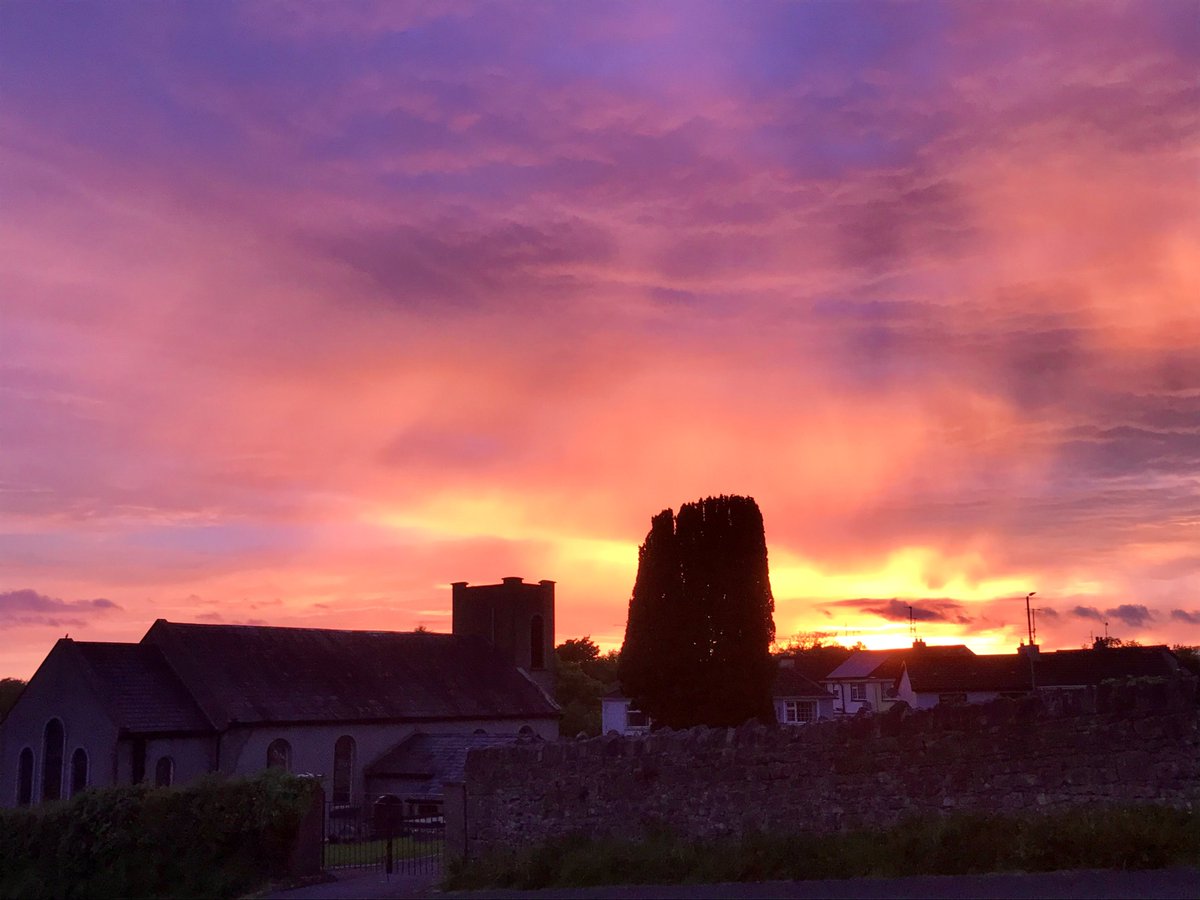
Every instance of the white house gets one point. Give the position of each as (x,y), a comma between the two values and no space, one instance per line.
(868,679)
(926,682)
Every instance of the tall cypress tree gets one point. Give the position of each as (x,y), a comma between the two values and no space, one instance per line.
(701,618)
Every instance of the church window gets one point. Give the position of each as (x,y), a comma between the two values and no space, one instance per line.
(52,760)
(164,772)
(79,770)
(25,778)
(343,769)
(279,755)
(537,643)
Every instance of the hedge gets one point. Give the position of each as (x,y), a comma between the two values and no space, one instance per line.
(213,838)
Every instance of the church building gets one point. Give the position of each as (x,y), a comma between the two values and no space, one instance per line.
(346,706)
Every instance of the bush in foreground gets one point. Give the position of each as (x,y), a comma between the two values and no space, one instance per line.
(216,838)
(1137,837)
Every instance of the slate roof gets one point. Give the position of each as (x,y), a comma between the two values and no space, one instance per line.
(1061,668)
(139,689)
(791,682)
(1074,667)
(939,675)
(887,664)
(428,761)
(248,673)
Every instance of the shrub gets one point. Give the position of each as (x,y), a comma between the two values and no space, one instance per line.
(966,843)
(212,838)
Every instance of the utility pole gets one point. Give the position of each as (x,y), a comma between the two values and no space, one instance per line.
(1031,650)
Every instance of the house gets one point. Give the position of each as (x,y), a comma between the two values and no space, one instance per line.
(235,699)
(927,682)
(799,700)
(867,680)
(796,698)
(618,714)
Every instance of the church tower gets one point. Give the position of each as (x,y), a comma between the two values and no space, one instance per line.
(514,617)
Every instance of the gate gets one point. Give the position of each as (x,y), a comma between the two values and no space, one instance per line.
(378,836)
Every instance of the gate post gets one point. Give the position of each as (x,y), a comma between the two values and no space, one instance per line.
(307,856)
(454,813)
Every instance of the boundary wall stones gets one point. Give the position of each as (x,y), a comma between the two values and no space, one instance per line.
(1121,742)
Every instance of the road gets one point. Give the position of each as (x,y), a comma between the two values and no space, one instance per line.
(1154,883)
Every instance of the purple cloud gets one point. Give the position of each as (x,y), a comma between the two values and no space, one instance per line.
(28,607)
(897,610)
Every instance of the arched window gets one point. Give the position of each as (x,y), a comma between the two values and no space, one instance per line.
(25,778)
(525,731)
(164,772)
(537,643)
(343,769)
(52,760)
(79,770)
(279,755)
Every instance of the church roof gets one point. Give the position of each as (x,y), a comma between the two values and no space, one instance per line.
(430,760)
(139,689)
(248,674)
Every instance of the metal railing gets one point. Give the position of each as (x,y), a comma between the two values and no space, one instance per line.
(378,835)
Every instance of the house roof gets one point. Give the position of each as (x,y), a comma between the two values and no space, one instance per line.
(139,689)
(1061,668)
(1064,668)
(791,682)
(1009,672)
(430,760)
(247,673)
(887,664)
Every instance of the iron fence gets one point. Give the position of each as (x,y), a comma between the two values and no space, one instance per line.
(378,835)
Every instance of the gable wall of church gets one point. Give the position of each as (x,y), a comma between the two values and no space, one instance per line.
(58,689)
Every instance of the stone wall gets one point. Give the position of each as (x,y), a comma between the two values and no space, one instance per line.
(1130,743)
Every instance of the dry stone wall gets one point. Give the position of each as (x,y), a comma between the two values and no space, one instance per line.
(1119,743)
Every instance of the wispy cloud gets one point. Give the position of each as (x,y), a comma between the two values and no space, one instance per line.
(341,305)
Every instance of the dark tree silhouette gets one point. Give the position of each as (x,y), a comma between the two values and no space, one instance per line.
(697,641)
(10,690)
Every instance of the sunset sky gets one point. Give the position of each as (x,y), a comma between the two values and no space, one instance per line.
(310,309)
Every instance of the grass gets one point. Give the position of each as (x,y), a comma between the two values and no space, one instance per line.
(368,853)
(1134,837)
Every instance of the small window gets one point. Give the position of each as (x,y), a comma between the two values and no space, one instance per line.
(79,770)
(343,769)
(525,731)
(799,712)
(279,755)
(858,693)
(537,643)
(635,718)
(52,760)
(25,778)
(164,772)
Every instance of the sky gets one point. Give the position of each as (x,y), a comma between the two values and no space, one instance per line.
(308,310)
